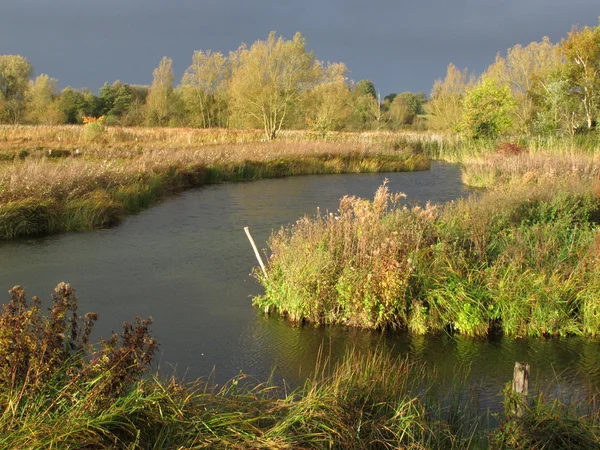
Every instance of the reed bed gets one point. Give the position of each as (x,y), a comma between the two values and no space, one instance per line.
(59,391)
(54,190)
(32,138)
(521,259)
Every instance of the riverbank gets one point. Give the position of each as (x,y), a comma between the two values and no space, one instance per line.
(80,184)
(520,259)
(59,391)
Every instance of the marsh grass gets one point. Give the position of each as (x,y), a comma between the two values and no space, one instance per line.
(521,258)
(98,186)
(59,391)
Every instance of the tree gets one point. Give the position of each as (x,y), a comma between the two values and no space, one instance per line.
(268,80)
(365,87)
(15,71)
(487,110)
(405,107)
(204,89)
(71,103)
(582,52)
(367,111)
(116,100)
(42,105)
(521,71)
(327,105)
(445,105)
(557,110)
(160,102)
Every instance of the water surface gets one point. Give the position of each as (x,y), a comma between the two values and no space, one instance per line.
(186,262)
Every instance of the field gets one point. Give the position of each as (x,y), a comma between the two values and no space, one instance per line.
(56,179)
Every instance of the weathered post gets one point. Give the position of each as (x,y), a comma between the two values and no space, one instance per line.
(520,387)
(260,261)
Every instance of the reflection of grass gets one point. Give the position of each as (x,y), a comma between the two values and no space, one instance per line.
(522,258)
(95,186)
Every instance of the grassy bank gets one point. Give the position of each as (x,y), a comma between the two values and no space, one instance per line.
(522,258)
(59,391)
(47,190)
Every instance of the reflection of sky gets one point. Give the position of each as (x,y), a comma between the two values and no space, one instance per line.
(186,263)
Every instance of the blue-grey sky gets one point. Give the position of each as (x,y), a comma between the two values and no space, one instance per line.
(400,45)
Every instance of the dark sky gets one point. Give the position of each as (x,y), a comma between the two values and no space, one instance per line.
(400,45)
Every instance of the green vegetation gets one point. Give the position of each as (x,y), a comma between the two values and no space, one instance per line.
(59,391)
(521,258)
(540,89)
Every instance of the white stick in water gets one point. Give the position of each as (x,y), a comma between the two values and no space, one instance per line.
(260,261)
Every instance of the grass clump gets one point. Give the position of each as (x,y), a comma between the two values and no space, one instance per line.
(59,391)
(521,258)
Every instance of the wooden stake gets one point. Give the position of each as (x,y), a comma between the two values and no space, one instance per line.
(520,386)
(260,261)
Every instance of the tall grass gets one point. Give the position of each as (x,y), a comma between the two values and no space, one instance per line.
(522,258)
(95,188)
(59,391)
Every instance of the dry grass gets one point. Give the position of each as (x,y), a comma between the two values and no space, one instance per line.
(532,167)
(90,180)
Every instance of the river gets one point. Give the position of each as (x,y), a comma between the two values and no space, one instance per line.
(186,262)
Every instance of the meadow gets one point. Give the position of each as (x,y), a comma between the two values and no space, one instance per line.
(67,178)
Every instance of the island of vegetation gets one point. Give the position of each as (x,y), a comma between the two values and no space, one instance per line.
(521,258)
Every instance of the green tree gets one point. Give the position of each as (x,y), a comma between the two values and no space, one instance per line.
(522,70)
(71,103)
(367,111)
(115,100)
(204,89)
(581,50)
(445,106)
(159,108)
(557,110)
(42,103)
(268,80)
(405,107)
(487,110)
(365,87)
(15,71)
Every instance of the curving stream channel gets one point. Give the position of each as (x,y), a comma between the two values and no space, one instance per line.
(186,263)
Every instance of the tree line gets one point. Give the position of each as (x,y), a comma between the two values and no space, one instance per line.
(540,88)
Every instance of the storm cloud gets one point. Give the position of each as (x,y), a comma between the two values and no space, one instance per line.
(399,45)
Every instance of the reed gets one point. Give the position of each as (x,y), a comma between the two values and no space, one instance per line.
(59,391)
(45,193)
(521,258)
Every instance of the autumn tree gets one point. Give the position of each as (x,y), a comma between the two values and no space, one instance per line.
(522,70)
(268,80)
(204,89)
(445,105)
(15,71)
(327,105)
(581,50)
(160,103)
(42,104)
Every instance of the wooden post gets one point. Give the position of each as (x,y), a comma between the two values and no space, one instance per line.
(260,261)
(520,387)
